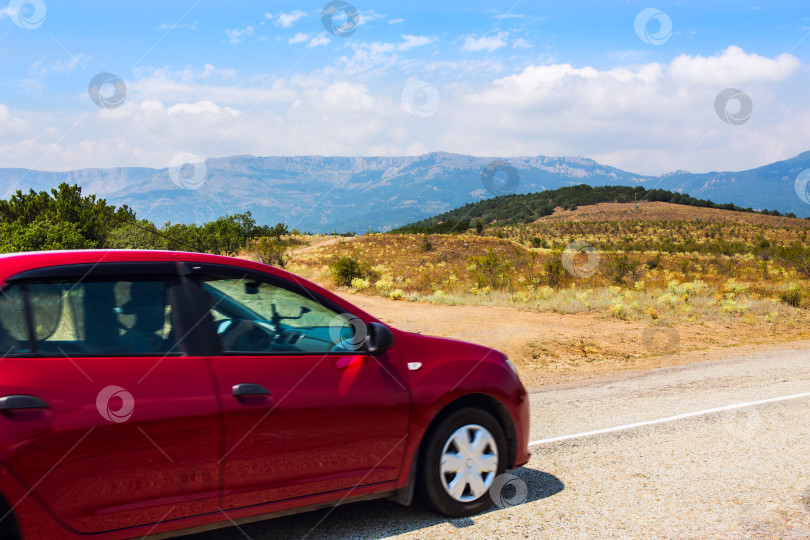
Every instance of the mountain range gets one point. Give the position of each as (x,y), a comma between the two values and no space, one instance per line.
(322,194)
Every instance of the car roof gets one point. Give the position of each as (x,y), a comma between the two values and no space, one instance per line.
(14,263)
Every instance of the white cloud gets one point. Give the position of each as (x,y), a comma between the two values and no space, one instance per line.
(201,107)
(236,35)
(286,20)
(409,41)
(489,43)
(309,39)
(396,21)
(34,85)
(650,118)
(521,43)
(733,66)
(45,67)
(368,57)
(370,15)
(318,40)
(467,66)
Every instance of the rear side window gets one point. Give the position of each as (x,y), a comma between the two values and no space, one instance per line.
(121,316)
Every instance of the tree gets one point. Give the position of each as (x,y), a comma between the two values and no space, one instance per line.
(93,218)
(41,236)
(136,235)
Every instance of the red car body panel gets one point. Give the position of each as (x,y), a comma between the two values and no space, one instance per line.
(312,435)
(193,455)
(114,474)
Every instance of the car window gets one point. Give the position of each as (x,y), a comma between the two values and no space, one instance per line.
(102,317)
(260,317)
(13,328)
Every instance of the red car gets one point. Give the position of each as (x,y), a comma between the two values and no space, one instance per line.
(144,392)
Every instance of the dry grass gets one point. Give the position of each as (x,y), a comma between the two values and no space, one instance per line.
(659,271)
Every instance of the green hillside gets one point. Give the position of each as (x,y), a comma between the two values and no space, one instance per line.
(529,207)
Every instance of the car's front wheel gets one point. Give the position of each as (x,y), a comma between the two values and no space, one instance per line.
(460,462)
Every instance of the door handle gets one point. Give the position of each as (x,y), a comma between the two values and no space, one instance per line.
(250,390)
(20,401)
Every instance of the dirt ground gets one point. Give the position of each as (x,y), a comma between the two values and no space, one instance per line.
(554,349)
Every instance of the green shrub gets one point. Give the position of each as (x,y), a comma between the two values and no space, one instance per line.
(554,270)
(55,218)
(271,250)
(136,235)
(490,270)
(347,268)
(623,267)
(538,242)
(41,236)
(792,297)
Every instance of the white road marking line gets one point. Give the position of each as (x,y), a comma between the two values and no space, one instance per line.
(668,419)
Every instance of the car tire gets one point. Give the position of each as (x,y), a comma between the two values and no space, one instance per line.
(460,461)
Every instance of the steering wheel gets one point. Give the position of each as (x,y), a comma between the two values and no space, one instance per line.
(243,335)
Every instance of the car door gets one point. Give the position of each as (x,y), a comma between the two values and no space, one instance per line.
(304,412)
(107,415)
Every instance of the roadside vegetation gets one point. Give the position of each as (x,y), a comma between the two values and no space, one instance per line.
(63,218)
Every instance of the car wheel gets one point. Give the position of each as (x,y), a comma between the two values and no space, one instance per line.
(461,460)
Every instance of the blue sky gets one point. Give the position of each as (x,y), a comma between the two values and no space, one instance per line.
(486,78)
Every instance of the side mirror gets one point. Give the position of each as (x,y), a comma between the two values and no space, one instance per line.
(379,339)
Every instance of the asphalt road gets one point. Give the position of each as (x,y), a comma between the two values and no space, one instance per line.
(693,468)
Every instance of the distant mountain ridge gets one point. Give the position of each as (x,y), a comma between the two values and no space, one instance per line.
(322,194)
